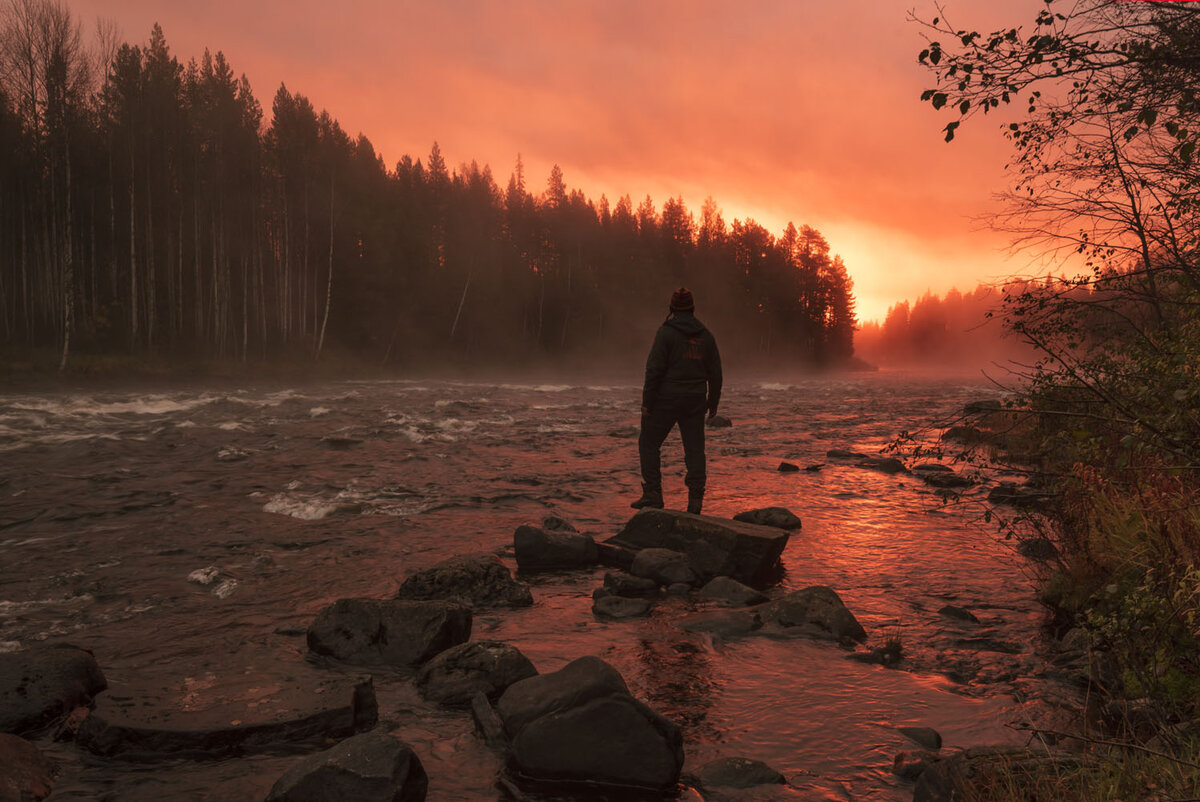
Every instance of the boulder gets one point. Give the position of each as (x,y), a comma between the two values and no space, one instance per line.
(552,523)
(737,772)
(480,580)
(788,467)
(388,632)
(730,591)
(664,566)
(718,422)
(815,611)
(40,684)
(884,464)
(926,737)
(454,677)
(372,767)
(778,517)
(612,556)
(619,607)
(580,725)
(619,583)
(747,552)
(26,775)
(545,549)
(124,728)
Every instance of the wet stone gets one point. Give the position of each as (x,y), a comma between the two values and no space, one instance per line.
(619,607)
(731,592)
(372,767)
(778,517)
(26,775)
(958,614)
(454,676)
(126,729)
(663,566)
(550,549)
(580,725)
(390,632)
(619,583)
(883,464)
(815,611)
(715,547)
(737,772)
(925,737)
(788,467)
(43,683)
(479,580)
(912,764)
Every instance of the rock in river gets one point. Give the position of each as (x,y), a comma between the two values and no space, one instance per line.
(123,727)
(731,592)
(737,772)
(545,549)
(663,566)
(480,580)
(715,547)
(372,767)
(815,611)
(619,607)
(25,773)
(457,674)
(388,632)
(778,517)
(581,725)
(40,684)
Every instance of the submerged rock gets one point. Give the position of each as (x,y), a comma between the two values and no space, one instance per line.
(126,729)
(40,684)
(619,607)
(737,772)
(580,725)
(480,580)
(372,767)
(815,611)
(779,517)
(715,547)
(958,613)
(26,775)
(397,633)
(453,677)
(730,591)
(724,624)
(549,549)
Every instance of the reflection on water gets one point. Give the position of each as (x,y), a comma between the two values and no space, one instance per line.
(299,496)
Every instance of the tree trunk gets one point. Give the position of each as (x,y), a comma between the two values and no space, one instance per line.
(329,281)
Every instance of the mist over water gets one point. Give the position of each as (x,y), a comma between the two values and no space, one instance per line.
(189,537)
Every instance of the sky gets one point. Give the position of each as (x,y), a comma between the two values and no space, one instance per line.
(780,110)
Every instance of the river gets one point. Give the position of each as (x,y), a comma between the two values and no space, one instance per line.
(297,496)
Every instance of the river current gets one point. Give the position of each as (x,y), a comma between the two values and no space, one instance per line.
(115,504)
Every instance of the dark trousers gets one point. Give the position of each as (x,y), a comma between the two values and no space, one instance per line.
(688,412)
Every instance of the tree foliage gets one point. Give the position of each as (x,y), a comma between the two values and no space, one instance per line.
(149,206)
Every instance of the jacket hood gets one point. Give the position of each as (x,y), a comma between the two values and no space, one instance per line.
(685,324)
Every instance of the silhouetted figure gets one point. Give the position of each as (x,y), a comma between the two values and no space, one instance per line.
(683,379)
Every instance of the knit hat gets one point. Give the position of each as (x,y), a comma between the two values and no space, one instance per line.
(682,301)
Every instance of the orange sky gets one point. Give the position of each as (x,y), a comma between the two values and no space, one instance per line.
(801,110)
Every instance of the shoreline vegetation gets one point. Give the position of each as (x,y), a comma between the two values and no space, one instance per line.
(1106,418)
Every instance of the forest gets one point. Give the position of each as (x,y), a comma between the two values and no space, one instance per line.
(152,207)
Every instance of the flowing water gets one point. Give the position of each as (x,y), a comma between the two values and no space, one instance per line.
(114,504)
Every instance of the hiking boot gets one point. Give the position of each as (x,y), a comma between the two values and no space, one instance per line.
(695,501)
(651,497)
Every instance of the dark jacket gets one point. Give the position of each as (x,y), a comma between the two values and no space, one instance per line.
(683,361)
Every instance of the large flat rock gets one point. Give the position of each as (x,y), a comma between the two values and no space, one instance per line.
(714,546)
(39,684)
(126,728)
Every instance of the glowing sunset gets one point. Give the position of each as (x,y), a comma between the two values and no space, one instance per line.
(783,111)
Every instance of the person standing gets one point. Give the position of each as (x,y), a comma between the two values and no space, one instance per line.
(683,380)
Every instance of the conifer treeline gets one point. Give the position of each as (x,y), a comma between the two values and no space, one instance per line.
(146,206)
